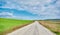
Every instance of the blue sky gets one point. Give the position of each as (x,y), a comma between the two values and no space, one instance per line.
(30,9)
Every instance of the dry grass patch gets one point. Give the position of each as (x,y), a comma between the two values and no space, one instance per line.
(54,26)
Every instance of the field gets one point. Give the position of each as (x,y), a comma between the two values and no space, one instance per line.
(8,25)
(53,25)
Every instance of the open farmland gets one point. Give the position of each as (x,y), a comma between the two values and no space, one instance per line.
(53,25)
(8,25)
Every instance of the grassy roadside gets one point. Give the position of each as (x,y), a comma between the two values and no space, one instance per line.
(54,26)
(9,24)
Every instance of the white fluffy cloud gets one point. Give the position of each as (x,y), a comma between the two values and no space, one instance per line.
(45,8)
(6,14)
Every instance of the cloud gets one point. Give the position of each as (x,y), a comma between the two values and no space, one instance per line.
(6,14)
(45,9)
(19,14)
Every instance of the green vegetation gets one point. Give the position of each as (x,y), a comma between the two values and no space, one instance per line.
(8,24)
(53,25)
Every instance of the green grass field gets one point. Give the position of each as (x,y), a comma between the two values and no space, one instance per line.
(8,24)
(53,25)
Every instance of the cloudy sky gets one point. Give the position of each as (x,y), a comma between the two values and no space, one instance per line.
(30,9)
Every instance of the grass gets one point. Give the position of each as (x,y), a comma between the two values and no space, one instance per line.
(8,24)
(52,25)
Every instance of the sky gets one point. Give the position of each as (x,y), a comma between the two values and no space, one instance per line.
(30,9)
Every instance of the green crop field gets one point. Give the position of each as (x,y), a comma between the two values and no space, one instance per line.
(53,25)
(8,24)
